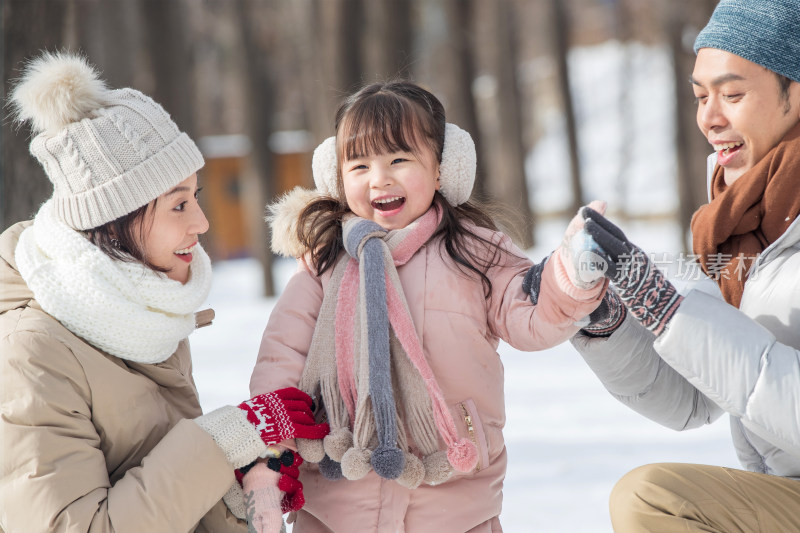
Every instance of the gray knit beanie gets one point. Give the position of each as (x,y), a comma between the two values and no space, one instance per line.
(107,152)
(766,32)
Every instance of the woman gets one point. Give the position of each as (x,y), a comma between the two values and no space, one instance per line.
(101,425)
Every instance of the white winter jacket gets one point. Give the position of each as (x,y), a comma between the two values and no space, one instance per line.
(714,358)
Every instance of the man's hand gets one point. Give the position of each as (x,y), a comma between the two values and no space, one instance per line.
(641,286)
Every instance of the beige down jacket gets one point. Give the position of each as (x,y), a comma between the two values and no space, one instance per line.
(460,331)
(91,442)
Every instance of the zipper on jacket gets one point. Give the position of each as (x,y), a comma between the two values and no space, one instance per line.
(471,432)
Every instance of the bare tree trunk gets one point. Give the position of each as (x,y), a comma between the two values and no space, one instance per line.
(171,59)
(622,31)
(109,33)
(507,183)
(308,45)
(341,27)
(459,76)
(388,38)
(691,147)
(561,49)
(29,26)
(258,186)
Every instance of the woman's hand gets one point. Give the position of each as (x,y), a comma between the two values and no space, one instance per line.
(244,432)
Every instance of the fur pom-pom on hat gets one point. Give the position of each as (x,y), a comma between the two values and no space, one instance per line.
(57,90)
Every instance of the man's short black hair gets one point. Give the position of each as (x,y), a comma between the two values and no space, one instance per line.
(784,83)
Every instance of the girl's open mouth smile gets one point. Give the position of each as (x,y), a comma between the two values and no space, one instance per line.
(388,203)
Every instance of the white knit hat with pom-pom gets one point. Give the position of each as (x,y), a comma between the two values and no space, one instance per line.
(107,152)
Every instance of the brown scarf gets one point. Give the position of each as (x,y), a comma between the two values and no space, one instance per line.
(744,218)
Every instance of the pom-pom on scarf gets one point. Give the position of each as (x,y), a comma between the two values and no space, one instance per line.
(367,366)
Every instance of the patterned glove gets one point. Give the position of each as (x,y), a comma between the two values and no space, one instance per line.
(641,286)
(608,316)
(244,432)
(283,414)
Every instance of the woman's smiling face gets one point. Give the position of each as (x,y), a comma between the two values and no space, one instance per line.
(172,225)
(392,189)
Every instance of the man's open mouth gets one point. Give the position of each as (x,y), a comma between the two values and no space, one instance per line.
(728,148)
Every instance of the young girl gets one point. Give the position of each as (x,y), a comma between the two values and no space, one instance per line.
(101,425)
(393,319)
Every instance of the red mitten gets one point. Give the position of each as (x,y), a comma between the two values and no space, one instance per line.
(283,414)
(288,466)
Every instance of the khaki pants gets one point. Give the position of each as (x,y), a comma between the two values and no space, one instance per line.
(680,497)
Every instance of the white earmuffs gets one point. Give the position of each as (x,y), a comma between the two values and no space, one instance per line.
(457,170)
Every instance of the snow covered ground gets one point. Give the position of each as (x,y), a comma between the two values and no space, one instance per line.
(568,440)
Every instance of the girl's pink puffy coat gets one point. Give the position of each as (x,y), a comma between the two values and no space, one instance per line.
(460,332)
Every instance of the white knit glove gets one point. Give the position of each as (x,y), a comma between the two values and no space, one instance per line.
(234,499)
(244,432)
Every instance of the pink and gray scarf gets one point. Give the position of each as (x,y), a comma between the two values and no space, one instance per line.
(367,366)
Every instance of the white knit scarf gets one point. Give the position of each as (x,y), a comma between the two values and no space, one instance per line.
(125,309)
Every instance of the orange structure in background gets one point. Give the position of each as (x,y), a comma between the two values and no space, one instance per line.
(291,153)
(227,160)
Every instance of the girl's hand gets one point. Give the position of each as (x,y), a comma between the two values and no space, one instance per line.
(283,414)
(585,268)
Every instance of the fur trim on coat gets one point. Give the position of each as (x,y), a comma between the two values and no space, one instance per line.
(282,218)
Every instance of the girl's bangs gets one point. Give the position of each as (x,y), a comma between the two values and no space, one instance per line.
(379,125)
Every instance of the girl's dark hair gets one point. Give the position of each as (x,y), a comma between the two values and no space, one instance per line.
(390,117)
(121,239)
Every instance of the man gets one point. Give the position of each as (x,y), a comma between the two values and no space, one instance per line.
(727,347)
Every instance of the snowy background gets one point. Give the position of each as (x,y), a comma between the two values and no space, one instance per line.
(568,440)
